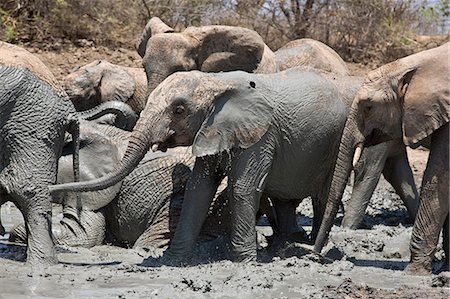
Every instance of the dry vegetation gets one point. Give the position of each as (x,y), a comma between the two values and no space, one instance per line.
(361,31)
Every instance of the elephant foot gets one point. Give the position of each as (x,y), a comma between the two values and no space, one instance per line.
(418,268)
(18,234)
(244,256)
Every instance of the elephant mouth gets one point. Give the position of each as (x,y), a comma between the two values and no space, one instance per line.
(168,142)
(375,137)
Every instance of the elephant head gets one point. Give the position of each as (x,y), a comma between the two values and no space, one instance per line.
(407,99)
(99,81)
(193,108)
(206,48)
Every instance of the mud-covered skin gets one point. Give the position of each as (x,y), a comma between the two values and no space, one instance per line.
(406,100)
(113,113)
(206,48)
(142,210)
(312,53)
(33,120)
(101,81)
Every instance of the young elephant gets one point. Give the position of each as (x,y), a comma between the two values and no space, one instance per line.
(259,130)
(101,81)
(206,48)
(311,53)
(408,100)
(34,115)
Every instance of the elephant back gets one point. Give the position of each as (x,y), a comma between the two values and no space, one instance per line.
(14,56)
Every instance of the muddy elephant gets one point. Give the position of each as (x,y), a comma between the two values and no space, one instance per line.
(206,48)
(101,81)
(255,129)
(142,210)
(34,116)
(312,53)
(405,100)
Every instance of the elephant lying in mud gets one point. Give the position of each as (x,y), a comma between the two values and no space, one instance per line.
(310,53)
(101,81)
(140,211)
(407,100)
(206,48)
(34,116)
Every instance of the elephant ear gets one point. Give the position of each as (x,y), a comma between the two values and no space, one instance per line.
(154,26)
(116,84)
(243,47)
(239,119)
(426,104)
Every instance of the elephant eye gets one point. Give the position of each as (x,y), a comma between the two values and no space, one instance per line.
(179,110)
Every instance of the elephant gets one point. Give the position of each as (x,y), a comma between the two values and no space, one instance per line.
(142,210)
(406,100)
(259,130)
(389,157)
(34,116)
(207,48)
(101,81)
(312,53)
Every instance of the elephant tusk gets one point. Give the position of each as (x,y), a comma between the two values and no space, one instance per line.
(154,147)
(358,152)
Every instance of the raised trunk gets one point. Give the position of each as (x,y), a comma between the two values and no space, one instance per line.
(138,145)
(340,176)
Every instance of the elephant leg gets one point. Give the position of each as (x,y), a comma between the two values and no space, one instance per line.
(445,245)
(161,230)
(246,184)
(367,174)
(434,205)
(287,227)
(36,209)
(319,205)
(199,194)
(398,173)
(86,232)
(2,228)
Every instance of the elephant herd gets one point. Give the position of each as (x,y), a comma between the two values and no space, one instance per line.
(214,131)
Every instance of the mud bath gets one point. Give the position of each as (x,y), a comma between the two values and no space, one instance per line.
(366,263)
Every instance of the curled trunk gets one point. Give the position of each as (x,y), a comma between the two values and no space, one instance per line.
(340,176)
(124,117)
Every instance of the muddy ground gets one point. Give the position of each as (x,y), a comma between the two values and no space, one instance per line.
(366,263)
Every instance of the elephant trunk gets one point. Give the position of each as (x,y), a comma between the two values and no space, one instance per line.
(125,117)
(349,142)
(138,145)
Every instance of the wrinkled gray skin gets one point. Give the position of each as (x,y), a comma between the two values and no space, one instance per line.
(34,115)
(207,48)
(142,210)
(408,101)
(307,52)
(256,150)
(389,159)
(101,81)
(112,113)
(160,125)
